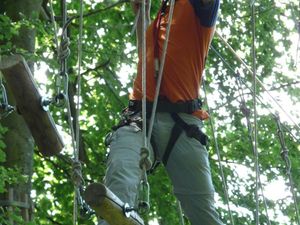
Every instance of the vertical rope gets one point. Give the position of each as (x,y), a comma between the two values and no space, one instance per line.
(285,156)
(255,111)
(54,26)
(218,154)
(77,177)
(161,68)
(144,82)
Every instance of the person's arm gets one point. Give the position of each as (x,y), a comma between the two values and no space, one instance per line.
(206,10)
(136,6)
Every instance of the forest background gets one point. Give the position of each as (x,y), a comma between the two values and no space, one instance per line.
(108,67)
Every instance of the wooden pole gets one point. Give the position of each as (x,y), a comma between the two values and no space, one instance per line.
(20,80)
(109,207)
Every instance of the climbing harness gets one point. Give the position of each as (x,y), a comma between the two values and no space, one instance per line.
(285,156)
(164,105)
(192,131)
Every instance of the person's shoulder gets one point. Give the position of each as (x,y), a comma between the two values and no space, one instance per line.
(206,10)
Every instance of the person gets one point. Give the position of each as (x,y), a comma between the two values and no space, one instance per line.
(177,139)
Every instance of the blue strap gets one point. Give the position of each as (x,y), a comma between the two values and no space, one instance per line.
(207,14)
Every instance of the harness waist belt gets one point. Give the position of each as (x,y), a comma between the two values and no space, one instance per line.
(165,105)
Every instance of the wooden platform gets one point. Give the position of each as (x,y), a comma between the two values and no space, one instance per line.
(19,79)
(108,206)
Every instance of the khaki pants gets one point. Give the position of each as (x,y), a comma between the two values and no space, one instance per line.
(188,168)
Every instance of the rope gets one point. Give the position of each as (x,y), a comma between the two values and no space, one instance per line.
(77,169)
(144,82)
(161,68)
(285,157)
(257,79)
(255,112)
(246,112)
(251,91)
(218,154)
(142,203)
(54,26)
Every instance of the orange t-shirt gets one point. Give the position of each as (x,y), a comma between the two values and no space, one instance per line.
(189,41)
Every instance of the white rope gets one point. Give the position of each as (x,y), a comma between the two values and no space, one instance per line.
(144,83)
(161,69)
(54,26)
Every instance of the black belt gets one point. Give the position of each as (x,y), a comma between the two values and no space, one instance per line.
(164,105)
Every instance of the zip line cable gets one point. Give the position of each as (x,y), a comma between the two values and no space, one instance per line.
(257,79)
(237,74)
(255,111)
(225,187)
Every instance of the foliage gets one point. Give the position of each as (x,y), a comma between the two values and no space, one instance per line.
(108,48)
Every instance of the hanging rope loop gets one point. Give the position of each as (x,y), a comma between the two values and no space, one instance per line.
(5,108)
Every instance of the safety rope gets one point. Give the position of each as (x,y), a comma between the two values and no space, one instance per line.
(288,166)
(142,204)
(224,183)
(161,68)
(255,150)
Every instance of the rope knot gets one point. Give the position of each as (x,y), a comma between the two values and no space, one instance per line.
(64,51)
(145,161)
(77,173)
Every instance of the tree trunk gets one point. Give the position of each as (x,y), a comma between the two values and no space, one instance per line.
(18,139)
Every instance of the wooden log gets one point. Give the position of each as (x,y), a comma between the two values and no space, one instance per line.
(20,80)
(109,207)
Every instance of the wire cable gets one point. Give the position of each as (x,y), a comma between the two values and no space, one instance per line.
(237,75)
(257,79)
(224,183)
(255,129)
